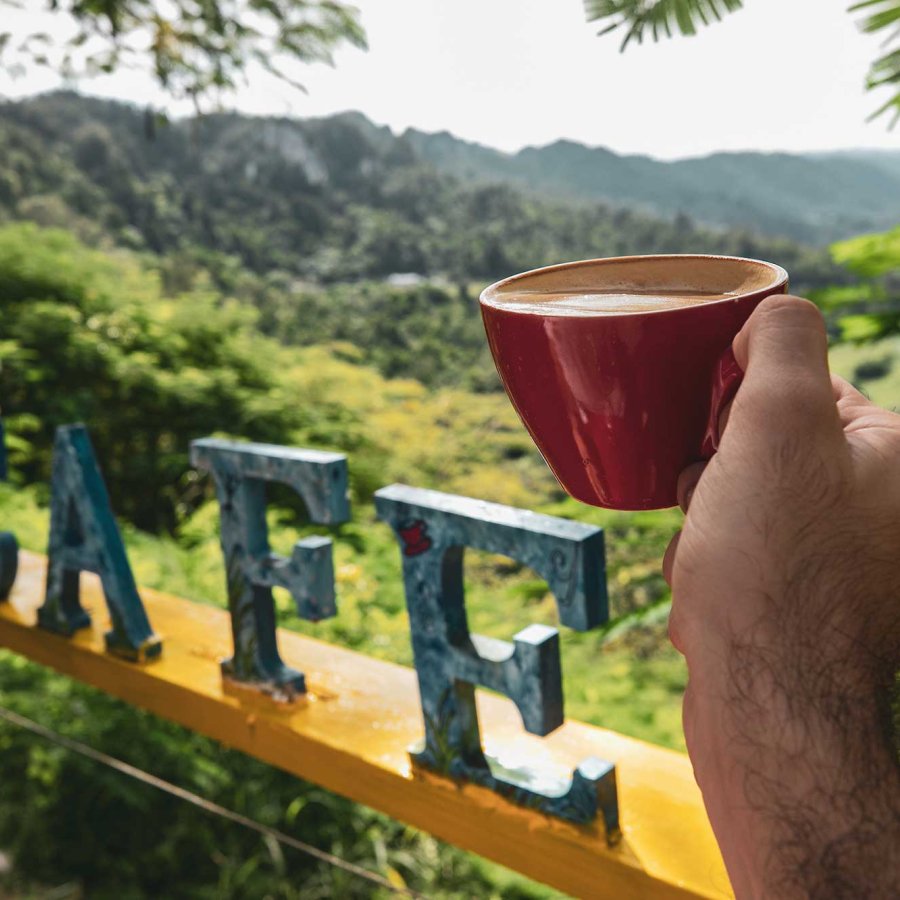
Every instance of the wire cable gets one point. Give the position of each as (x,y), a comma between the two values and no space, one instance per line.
(196,800)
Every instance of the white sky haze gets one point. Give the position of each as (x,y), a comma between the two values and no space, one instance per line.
(777,75)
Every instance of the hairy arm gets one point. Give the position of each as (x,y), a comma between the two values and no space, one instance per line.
(786,605)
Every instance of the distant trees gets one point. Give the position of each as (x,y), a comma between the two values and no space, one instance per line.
(297,206)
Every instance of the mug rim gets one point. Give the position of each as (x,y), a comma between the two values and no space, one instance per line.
(779,280)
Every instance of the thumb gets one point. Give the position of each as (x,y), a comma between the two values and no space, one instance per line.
(783,350)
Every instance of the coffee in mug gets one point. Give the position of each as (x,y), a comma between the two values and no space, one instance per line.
(619,367)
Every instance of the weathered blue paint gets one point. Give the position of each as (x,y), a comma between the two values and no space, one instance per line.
(84,537)
(9,546)
(240,472)
(434,529)
(9,562)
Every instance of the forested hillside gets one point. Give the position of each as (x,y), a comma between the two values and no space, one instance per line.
(307,220)
(814,198)
(326,200)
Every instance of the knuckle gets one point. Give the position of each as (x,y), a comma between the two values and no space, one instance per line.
(783,310)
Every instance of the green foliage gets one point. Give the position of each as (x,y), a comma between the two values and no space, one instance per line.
(196,49)
(65,820)
(869,310)
(428,331)
(883,16)
(864,328)
(658,17)
(87,337)
(870,255)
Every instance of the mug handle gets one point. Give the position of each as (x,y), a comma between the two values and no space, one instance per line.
(726,381)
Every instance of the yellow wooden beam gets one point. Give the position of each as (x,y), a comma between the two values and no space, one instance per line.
(351,732)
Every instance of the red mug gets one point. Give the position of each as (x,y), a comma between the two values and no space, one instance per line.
(619,403)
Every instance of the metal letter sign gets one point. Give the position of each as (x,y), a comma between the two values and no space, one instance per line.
(9,562)
(240,472)
(9,546)
(434,529)
(84,537)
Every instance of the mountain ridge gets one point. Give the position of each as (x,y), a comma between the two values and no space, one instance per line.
(813,199)
(809,197)
(325,200)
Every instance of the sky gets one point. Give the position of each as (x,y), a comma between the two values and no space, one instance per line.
(777,75)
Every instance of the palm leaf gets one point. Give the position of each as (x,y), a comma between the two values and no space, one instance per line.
(883,16)
(636,17)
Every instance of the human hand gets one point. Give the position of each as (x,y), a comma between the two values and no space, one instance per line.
(786,604)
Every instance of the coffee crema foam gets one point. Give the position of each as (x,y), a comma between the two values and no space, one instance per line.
(601,303)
